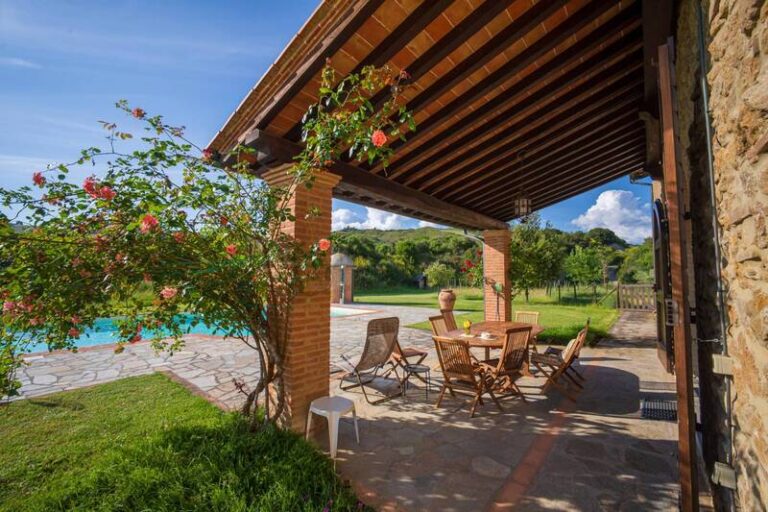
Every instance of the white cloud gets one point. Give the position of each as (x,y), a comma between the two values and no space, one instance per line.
(374,219)
(427,224)
(620,211)
(18,63)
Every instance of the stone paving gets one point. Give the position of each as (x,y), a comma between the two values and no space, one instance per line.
(547,454)
(209,362)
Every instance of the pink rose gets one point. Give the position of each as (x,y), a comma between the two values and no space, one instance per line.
(324,244)
(378,138)
(138,113)
(168,292)
(231,249)
(179,236)
(9,306)
(35,321)
(148,223)
(38,179)
(73,332)
(207,155)
(75,319)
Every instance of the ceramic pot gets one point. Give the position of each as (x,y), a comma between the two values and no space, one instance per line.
(447,299)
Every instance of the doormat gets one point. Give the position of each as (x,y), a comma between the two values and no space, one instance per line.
(657,409)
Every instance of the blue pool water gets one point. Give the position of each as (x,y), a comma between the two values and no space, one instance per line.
(104,331)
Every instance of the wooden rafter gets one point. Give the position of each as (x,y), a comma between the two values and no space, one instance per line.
(622,24)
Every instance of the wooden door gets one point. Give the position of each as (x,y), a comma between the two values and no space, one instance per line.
(680,310)
(663,287)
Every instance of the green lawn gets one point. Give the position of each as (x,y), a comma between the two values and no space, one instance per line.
(145,443)
(562,321)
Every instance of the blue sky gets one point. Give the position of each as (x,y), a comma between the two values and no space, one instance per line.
(63,64)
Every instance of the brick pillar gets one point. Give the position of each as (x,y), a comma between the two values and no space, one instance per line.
(335,285)
(349,296)
(308,356)
(496,270)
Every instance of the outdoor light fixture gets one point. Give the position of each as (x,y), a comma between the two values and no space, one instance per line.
(522,206)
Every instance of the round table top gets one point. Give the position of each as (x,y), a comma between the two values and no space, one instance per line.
(497,329)
(332,404)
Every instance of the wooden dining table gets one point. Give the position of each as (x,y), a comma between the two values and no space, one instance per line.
(498,330)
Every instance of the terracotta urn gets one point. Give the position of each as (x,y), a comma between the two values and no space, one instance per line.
(447,299)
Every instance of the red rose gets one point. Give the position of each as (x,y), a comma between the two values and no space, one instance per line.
(91,187)
(324,244)
(138,113)
(73,333)
(207,155)
(231,249)
(38,179)
(107,193)
(378,138)
(179,236)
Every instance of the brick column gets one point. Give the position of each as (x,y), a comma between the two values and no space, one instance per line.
(308,357)
(496,270)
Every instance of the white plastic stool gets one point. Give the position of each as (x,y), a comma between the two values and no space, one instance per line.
(333,408)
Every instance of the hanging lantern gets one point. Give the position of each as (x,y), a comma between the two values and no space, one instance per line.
(522,206)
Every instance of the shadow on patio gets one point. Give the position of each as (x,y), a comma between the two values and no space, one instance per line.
(547,454)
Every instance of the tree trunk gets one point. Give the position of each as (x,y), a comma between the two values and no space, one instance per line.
(526,295)
(574,291)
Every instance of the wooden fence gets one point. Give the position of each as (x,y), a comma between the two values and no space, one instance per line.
(637,297)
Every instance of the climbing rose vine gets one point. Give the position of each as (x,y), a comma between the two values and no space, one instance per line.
(167,230)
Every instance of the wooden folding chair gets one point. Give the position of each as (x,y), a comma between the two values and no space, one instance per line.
(502,373)
(402,357)
(450,320)
(439,325)
(461,374)
(582,336)
(529,317)
(558,366)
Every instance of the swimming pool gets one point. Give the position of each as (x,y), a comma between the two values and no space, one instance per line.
(104,331)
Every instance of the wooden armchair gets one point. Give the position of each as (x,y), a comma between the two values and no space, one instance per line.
(450,320)
(502,374)
(528,317)
(460,373)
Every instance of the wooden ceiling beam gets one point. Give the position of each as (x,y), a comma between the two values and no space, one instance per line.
(271,150)
(613,84)
(330,45)
(630,159)
(499,117)
(511,139)
(591,141)
(547,172)
(586,128)
(581,187)
(459,35)
(657,16)
(625,21)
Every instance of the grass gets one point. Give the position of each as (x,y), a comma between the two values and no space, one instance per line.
(562,320)
(146,443)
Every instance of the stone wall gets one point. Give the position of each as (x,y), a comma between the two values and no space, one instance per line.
(738,78)
(703,268)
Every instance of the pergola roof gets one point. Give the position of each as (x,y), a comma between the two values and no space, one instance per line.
(511,98)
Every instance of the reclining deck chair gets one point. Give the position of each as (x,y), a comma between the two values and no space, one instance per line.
(380,344)
(572,370)
(559,365)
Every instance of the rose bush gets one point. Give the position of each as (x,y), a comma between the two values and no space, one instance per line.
(203,236)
